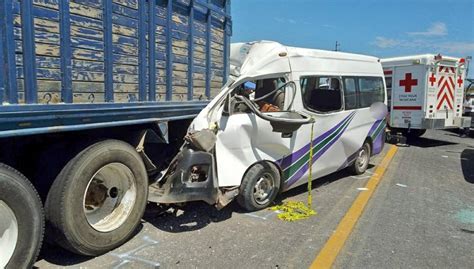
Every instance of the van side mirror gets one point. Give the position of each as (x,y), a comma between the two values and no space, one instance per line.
(292,121)
(282,122)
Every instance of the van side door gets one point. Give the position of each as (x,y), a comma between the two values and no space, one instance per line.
(322,98)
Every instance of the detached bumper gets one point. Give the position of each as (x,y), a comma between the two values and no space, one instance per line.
(190,177)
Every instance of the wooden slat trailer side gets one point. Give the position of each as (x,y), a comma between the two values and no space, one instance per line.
(95,97)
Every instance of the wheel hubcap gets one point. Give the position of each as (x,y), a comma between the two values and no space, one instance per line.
(263,189)
(363,158)
(8,233)
(109,197)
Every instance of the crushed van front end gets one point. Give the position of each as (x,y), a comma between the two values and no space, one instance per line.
(190,177)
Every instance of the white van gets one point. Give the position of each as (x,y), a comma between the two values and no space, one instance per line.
(253,140)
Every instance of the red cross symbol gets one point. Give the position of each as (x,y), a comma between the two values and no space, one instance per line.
(408,82)
(460,81)
(432,79)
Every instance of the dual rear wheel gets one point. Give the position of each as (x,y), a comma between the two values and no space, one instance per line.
(94,205)
(21,220)
(97,201)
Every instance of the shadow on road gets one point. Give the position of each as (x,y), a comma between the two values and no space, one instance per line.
(197,215)
(423,142)
(467,164)
(190,217)
(60,257)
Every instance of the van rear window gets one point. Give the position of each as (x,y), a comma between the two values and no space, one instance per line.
(361,92)
(371,91)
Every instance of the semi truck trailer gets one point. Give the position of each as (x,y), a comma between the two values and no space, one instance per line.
(95,99)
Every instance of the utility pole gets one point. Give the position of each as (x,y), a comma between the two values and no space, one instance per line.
(468,63)
(338,46)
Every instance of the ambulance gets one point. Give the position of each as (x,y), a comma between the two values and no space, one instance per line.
(425,92)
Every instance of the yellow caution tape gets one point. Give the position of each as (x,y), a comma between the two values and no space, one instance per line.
(291,210)
(310,177)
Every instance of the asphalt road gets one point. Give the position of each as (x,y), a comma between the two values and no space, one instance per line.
(421,216)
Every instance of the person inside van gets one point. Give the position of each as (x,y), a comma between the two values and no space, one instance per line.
(275,101)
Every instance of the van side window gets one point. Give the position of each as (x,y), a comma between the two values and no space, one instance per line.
(322,94)
(371,90)
(350,93)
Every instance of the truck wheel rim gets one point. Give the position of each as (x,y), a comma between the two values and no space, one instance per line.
(263,189)
(8,233)
(109,197)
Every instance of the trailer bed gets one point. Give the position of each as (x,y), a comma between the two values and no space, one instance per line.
(88,63)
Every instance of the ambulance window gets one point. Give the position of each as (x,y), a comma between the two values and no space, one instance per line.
(388,82)
(350,93)
(322,94)
(371,91)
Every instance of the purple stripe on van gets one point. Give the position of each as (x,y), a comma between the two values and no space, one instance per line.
(290,159)
(305,167)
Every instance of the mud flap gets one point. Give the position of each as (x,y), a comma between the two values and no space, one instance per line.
(190,177)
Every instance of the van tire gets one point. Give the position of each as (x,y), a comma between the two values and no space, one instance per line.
(360,164)
(260,186)
(20,199)
(78,212)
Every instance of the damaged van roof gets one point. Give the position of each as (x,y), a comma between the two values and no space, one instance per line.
(267,57)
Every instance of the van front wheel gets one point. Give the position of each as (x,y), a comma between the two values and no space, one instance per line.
(362,160)
(260,186)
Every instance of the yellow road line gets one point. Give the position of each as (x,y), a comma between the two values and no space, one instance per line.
(333,246)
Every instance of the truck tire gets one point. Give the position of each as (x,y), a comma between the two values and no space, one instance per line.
(98,199)
(21,220)
(360,164)
(260,186)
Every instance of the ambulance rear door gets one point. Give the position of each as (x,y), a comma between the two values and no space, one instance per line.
(408,96)
(445,96)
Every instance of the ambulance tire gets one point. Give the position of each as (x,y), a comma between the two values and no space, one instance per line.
(260,186)
(21,220)
(360,164)
(98,199)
